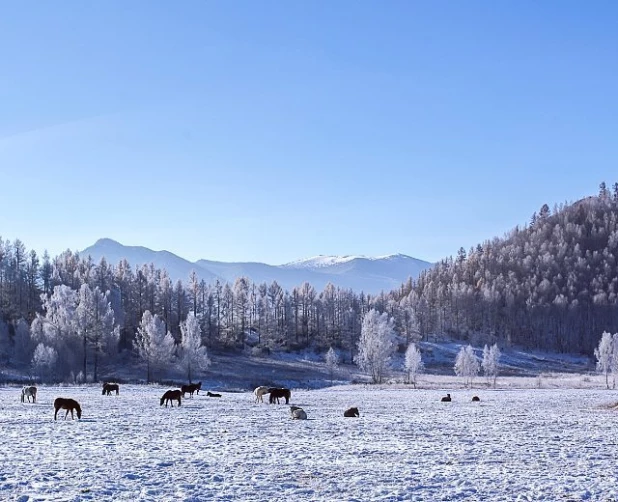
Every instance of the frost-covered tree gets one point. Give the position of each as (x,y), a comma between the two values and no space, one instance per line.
(332,361)
(375,346)
(491,362)
(154,345)
(23,346)
(94,322)
(193,355)
(44,361)
(604,354)
(413,363)
(466,364)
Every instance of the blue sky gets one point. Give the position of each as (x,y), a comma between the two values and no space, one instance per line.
(272,131)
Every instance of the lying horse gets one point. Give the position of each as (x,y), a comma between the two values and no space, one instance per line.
(276,393)
(298,413)
(351,412)
(109,387)
(191,388)
(259,393)
(28,392)
(446,399)
(476,398)
(171,395)
(69,405)
(210,394)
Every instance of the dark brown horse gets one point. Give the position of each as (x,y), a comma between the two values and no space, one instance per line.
(277,393)
(69,405)
(446,399)
(171,395)
(108,388)
(351,412)
(210,394)
(191,388)
(476,398)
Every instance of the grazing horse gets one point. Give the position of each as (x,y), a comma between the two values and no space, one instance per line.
(476,398)
(298,413)
(276,393)
(210,394)
(191,388)
(171,395)
(259,393)
(351,412)
(446,399)
(69,405)
(28,392)
(109,387)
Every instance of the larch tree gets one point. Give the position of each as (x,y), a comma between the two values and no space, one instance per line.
(413,363)
(154,345)
(376,345)
(332,362)
(95,325)
(466,364)
(44,361)
(604,354)
(193,355)
(491,362)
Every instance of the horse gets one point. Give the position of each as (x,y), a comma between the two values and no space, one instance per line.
(475,398)
(298,413)
(276,393)
(191,388)
(259,393)
(109,387)
(351,412)
(28,392)
(69,405)
(171,395)
(446,399)
(210,394)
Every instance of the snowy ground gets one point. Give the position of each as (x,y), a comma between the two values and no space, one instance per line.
(516,444)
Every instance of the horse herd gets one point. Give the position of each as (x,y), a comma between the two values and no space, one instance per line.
(275,394)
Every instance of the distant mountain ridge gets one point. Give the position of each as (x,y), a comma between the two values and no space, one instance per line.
(358,273)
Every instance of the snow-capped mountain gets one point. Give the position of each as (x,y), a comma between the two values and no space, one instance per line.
(358,273)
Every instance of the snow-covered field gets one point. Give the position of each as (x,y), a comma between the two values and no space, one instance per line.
(527,444)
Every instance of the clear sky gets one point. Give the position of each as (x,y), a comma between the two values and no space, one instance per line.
(273,131)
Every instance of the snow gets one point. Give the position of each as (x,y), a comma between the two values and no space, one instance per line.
(518,443)
(321,261)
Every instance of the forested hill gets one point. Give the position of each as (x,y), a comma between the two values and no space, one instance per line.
(550,285)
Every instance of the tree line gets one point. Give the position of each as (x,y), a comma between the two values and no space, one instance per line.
(551,284)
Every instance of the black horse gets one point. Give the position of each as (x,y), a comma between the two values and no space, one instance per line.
(211,394)
(108,388)
(446,399)
(351,412)
(191,388)
(277,393)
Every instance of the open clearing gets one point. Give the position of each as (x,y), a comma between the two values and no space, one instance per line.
(526,444)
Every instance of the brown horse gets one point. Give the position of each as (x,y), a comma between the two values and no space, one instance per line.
(277,393)
(476,398)
(446,399)
(191,388)
(69,405)
(171,395)
(28,392)
(351,412)
(210,394)
(108,388)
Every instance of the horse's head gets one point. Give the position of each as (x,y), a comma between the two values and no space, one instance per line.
(79,410)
